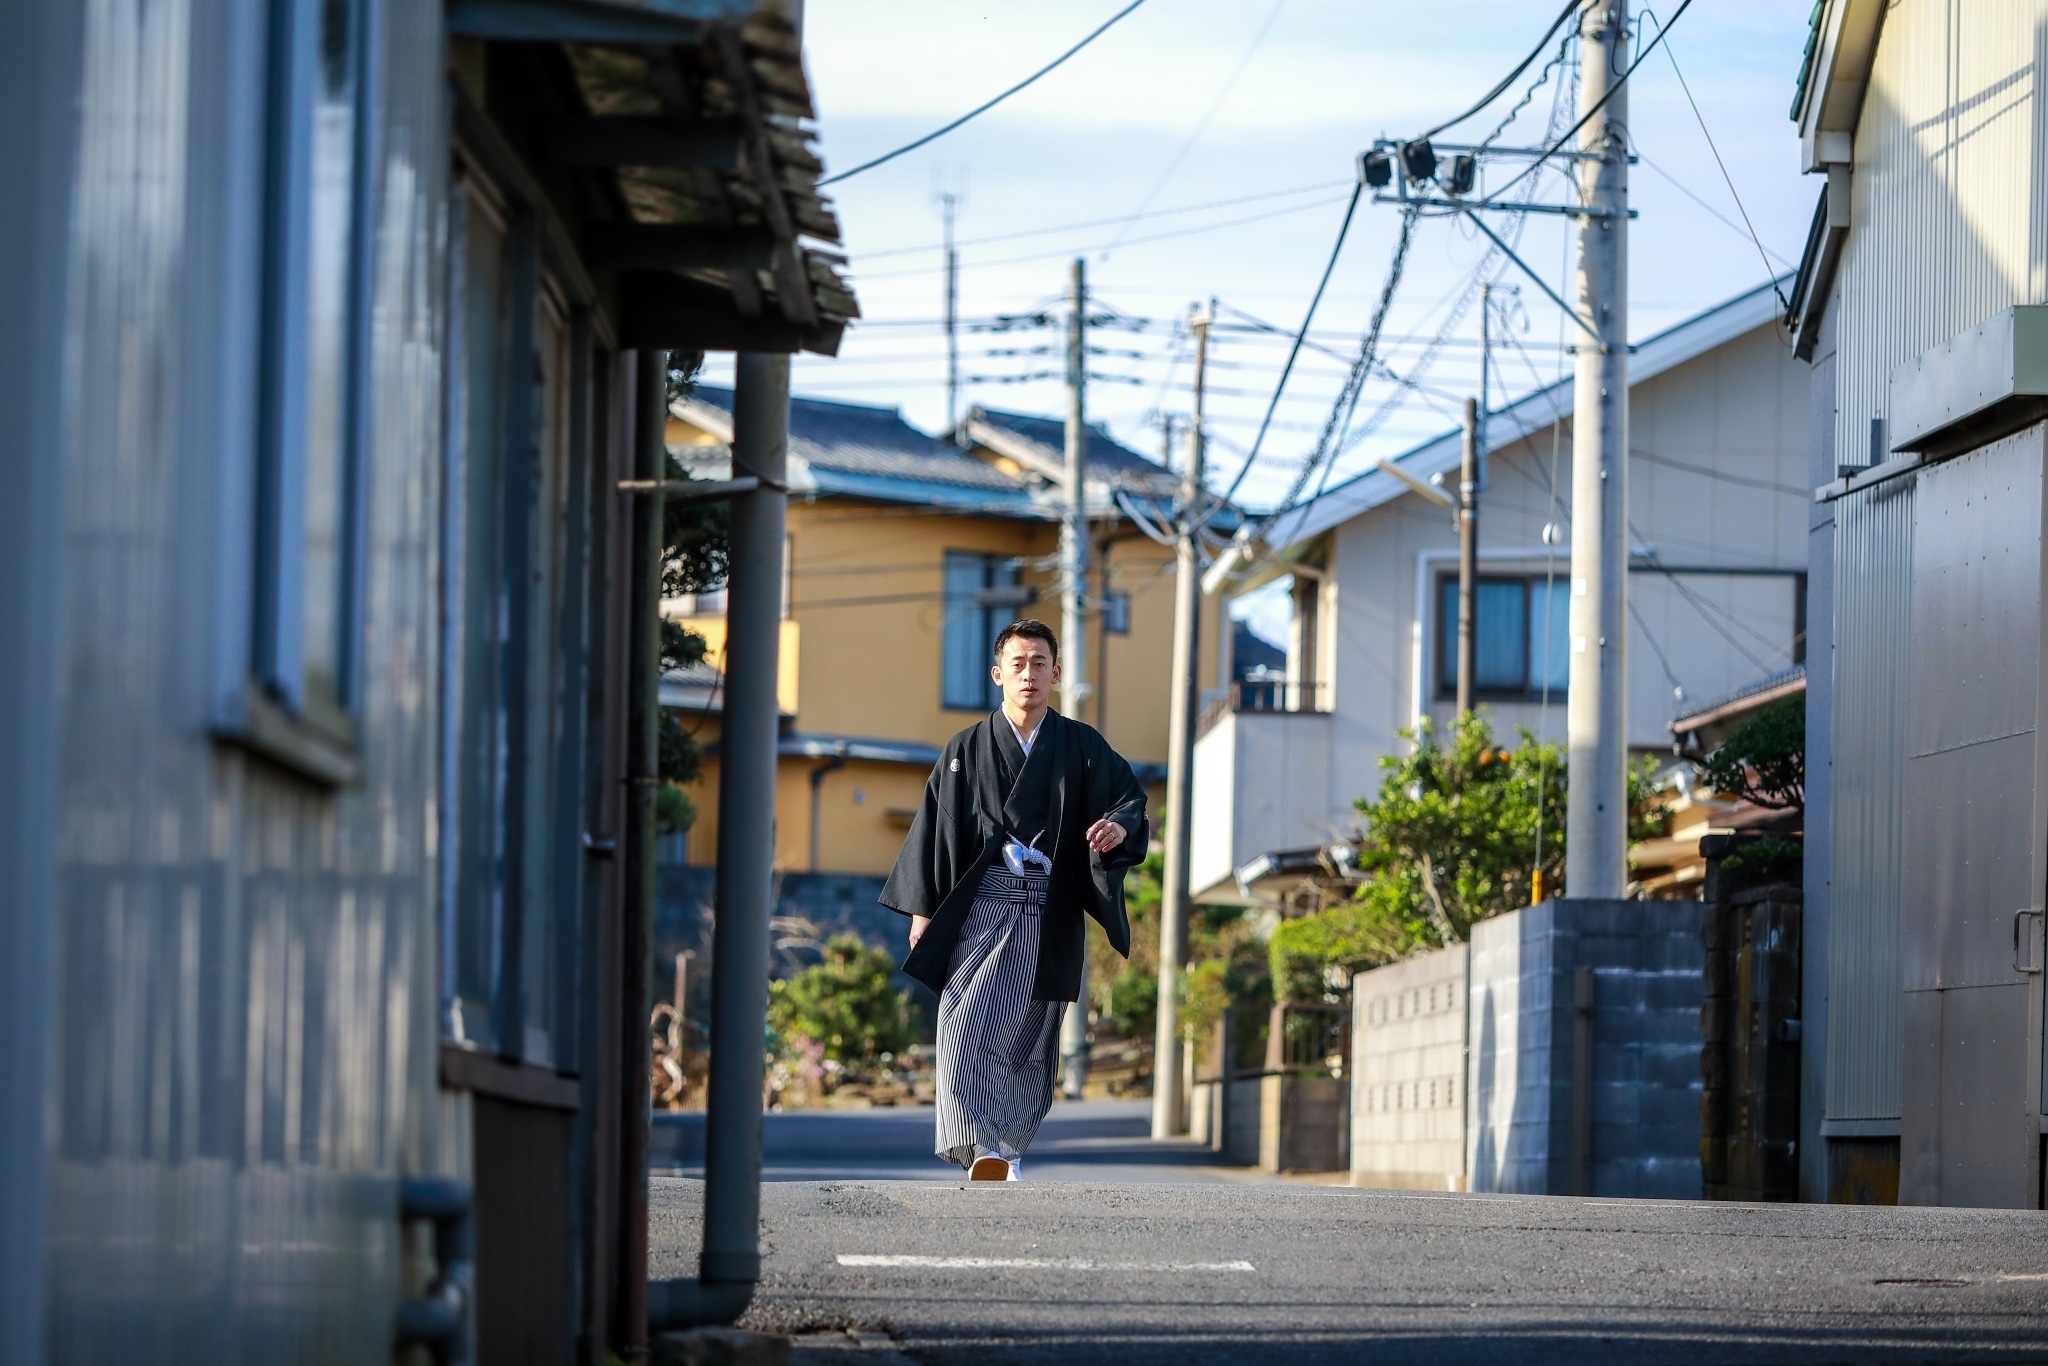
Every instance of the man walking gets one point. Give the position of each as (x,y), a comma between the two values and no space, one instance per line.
(1029,820)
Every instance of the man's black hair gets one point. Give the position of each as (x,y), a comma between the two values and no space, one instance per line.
(1030,629)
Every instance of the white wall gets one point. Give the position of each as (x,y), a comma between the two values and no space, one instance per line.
(1408,1073)
(1717,479)
(1259,785)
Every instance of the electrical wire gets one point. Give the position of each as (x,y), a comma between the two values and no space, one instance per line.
(1784,304)
(1558,144)
(1202,126)
(865,277)
(1368,352)
(978,110)
(1107,222)
(1336,250)
(1570,7)
(1711,211)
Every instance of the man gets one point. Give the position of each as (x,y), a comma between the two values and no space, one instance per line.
(1028,821)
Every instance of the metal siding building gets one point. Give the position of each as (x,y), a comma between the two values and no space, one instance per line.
(316,608)
(1928,117)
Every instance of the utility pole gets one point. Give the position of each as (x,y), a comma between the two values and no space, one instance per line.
(1596,817)
(1468,558)
(947,202)
(1167,1101)
(1073,617)
(1485,374)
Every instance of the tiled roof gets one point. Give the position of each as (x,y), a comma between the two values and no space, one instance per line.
(864,440)
(1045,440)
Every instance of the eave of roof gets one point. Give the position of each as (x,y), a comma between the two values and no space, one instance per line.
(1528,415)
(1753,696)
(689,123)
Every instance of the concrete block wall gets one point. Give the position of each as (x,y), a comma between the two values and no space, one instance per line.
(1524,1072)
(1408,1073)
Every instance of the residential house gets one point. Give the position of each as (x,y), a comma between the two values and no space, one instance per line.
(1918,304)
(907,554)
(1718,416)
(334,329)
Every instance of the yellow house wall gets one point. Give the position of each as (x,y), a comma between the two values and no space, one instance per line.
(861,657)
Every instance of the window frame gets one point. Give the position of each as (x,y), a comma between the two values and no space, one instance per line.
(986,609)
(1444,628)
(263,702)
(540,493)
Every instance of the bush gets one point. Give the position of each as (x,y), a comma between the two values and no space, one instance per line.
(844,1003)
(1763,760)
(1452,838)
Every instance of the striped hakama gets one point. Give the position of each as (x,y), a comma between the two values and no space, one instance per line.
(997,1046)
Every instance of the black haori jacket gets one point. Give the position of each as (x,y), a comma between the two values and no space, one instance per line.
(969,809)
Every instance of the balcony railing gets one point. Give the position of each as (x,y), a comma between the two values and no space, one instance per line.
(1267,696)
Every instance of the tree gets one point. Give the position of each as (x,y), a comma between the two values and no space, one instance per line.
(1452,838)
(1763,760)
(694,559)
(844,1003)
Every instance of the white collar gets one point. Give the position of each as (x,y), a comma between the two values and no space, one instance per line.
(1023,742)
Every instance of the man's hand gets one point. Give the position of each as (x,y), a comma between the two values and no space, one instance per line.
(1105,835)
(918,925)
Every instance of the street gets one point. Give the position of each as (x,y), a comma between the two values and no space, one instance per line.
(1094,1271)
(1090,1140)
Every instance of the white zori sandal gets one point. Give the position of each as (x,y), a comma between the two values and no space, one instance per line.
(990,1168)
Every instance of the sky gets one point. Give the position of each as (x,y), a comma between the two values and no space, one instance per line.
(1235,127)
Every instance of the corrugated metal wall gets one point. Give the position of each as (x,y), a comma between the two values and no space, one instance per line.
(1948,206)
(244,1062)
(1872,651)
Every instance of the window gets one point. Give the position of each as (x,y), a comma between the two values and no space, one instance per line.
(513,580)
(306,617)
(982,596)
(1521,634)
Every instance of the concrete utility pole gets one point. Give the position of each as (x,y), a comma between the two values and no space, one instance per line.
(1468,557)
(947,202)
(1596,817)
(1167,1100)
(1073,616)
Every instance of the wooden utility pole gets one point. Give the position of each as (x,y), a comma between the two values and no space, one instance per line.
(1468,558)
(1073,616)
(1596,816)
(1168,1100)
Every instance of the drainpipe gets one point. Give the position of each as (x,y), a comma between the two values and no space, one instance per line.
(831,765)
(730,1263)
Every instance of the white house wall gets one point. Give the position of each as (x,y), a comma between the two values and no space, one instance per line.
(1259,780)
(1717,479)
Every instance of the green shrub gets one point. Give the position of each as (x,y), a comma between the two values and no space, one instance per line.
(1451,838)
(844,1003)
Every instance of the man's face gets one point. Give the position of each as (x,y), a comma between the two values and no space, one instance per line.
(1026,673)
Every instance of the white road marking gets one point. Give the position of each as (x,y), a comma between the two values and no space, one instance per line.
(1026,1263)
(2023,1275)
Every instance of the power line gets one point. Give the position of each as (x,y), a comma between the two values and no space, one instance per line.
(1726,179)
(865,277)
(1710,210)
(1336,250)
(1512,76)
(937,133)
(1108,222)
(1202,126)
(1558,145)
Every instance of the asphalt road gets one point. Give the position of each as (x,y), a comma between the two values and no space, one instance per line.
(1139,1273)
(1089,1140)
